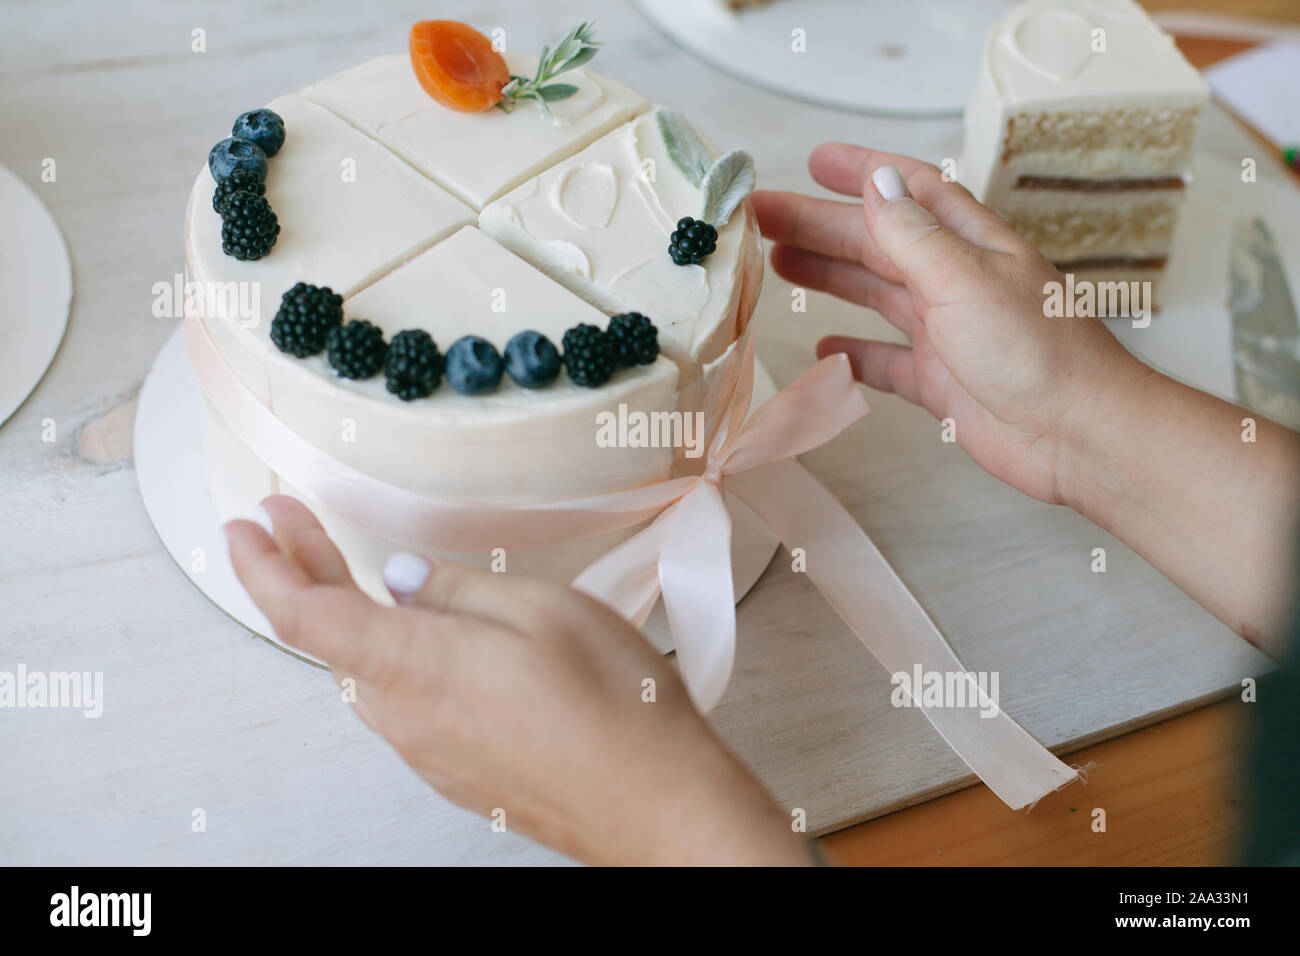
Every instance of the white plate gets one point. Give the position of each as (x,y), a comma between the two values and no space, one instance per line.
(915,58)
(36,282)
(169,468)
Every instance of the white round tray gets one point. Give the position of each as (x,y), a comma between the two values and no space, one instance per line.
(888,57)
(36,279)
(169,468)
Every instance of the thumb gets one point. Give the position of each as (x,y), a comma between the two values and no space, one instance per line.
(921,248)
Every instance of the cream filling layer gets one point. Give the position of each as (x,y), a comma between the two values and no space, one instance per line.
(1150,163)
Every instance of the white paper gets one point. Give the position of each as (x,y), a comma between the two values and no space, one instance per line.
(1260,86)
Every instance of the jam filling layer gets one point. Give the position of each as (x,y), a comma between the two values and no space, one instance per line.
(1099,185)
(1112,262)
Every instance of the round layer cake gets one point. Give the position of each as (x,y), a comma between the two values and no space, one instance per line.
(544,217)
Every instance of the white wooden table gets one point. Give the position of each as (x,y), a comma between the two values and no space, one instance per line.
(198,714)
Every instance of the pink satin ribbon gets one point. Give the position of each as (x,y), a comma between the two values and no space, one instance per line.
(685,553)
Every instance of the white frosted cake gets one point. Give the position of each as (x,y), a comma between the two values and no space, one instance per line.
(1080,133)
(542,218)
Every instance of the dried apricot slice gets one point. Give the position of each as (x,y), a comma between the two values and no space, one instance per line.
(457,66)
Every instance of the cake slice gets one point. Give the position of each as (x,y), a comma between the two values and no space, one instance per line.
(475,156)
(599,223)
(349,212)
(329,182)
(1080,134)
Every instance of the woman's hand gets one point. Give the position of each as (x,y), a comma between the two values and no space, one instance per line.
(1205,491)
(968,292)
(516,695)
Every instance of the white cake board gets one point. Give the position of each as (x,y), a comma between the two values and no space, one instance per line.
(869,56)
(169,468)
(36,280)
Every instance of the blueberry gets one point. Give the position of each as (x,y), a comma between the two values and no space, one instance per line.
(264,128)
(231,154)
(473,366)
(532,360)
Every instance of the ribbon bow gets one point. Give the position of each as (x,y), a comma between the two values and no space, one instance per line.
(685,554)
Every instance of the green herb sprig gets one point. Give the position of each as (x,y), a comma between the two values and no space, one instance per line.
(578,47)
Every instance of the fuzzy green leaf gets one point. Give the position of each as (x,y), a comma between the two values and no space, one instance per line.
(582,56)
(683,145)
(726,185)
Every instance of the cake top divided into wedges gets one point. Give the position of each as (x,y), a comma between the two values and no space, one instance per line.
(341,185)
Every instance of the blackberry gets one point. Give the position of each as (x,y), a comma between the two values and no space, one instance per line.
(414,366)
(588,355)
(356,349)
(691,241)
(248,225)
(305,319)
(473,366)
(532,360)
(233,153)
(635,339)
(263,128)
(241,180)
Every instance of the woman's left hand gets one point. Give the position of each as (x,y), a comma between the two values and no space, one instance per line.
(515,695)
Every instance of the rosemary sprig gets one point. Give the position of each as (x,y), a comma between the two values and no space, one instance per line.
(578,47)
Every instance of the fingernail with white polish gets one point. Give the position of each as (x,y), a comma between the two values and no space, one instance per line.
(263,517)
(405,573)
(889,183)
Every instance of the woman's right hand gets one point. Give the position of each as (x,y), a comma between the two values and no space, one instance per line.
(967,291)
(1205,491)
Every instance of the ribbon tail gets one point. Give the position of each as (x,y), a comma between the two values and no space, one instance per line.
(695,574)
(853,576)
(627,576)
(686,555)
